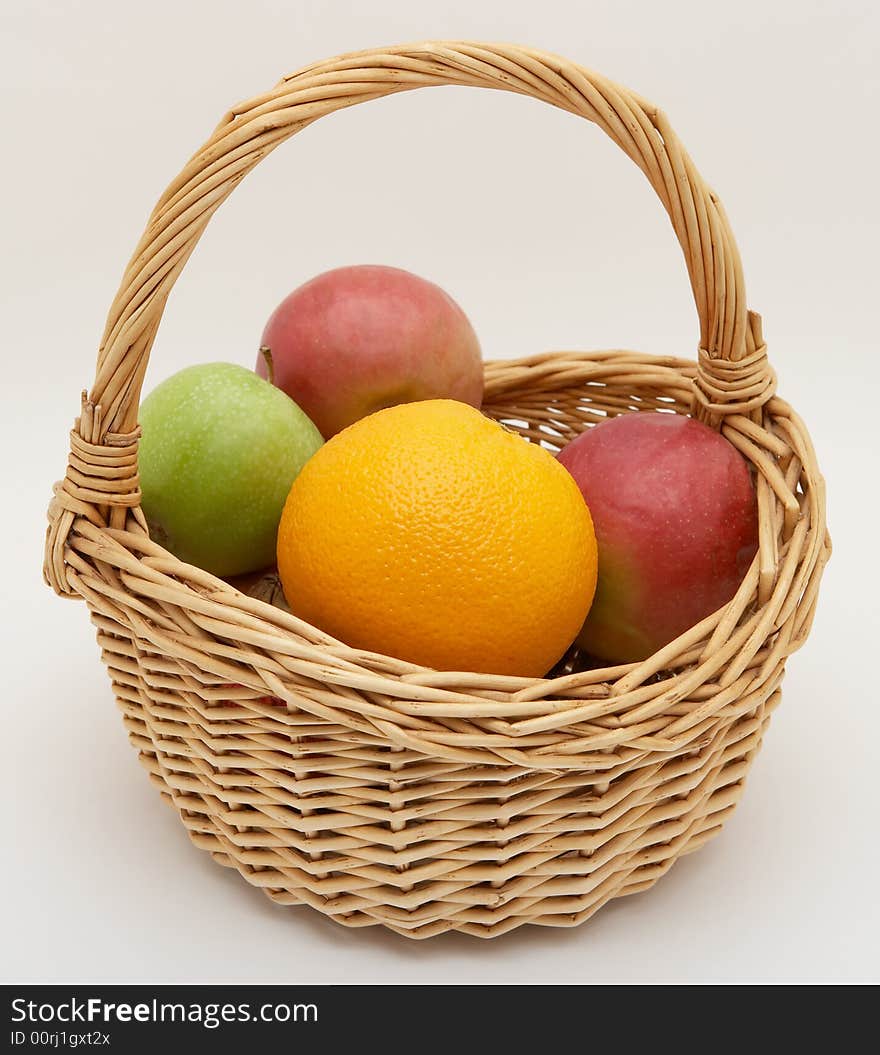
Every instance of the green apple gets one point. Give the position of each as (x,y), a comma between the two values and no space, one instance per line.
(220,448)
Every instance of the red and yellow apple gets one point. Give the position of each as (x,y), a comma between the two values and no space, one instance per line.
(675,515)
(359,339)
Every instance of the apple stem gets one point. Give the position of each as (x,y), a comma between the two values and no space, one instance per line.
(266,353)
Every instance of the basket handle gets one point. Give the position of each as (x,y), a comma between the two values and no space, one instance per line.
(733,375)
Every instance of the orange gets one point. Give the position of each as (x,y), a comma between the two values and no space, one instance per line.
(430,533)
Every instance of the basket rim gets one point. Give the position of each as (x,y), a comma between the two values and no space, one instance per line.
(553,723)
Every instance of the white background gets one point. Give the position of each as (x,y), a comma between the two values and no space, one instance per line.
(549,238)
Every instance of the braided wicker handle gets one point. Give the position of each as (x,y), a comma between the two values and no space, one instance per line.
(733,376)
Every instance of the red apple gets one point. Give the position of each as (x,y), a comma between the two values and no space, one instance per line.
(676,523)
(358,339)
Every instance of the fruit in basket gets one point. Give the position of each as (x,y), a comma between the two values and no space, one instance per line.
(676,520)
(357,339)
(430,533)
(219,450)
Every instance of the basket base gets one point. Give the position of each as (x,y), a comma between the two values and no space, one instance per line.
(643,877)
(553,889)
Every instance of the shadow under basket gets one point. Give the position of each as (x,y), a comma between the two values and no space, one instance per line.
(379,792)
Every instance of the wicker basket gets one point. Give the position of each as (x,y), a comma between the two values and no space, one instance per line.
(381,792)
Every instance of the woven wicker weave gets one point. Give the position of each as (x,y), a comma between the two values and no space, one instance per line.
(381,792)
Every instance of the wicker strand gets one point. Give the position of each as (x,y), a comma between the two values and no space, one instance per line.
(723,387)
(102,471)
